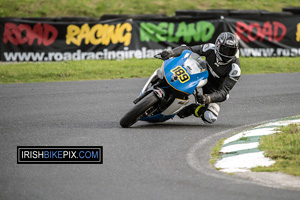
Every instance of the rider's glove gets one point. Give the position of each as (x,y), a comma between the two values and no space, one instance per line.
(166,54)
(203,99)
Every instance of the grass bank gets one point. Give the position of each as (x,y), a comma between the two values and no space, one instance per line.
(96,8)
(112,69)
(76,70)
(283,147)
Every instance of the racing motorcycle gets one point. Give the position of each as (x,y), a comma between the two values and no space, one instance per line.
(168,90)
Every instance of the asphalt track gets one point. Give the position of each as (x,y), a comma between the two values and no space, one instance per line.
(148,161)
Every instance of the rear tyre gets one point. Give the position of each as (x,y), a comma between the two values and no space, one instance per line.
(138,110)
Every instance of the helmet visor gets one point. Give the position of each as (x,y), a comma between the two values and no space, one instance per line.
(227,51)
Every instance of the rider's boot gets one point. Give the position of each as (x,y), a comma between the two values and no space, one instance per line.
(193,109)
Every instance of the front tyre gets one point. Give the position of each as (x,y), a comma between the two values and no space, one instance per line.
(138,110)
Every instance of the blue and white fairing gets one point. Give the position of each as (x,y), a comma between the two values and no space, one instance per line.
(189,73)
(184,74)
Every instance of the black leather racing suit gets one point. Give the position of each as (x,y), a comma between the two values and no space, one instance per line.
(222,76)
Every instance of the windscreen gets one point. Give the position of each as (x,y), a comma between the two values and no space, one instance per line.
(192,66)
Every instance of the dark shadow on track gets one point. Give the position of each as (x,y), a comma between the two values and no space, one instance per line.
(178,125)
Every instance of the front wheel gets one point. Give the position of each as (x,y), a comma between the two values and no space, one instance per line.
(138,110)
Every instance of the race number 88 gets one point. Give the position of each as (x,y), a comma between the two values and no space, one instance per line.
(181,73)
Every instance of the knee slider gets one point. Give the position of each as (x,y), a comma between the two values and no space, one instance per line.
(211,113)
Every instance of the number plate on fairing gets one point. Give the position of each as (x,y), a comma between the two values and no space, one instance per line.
(182,75)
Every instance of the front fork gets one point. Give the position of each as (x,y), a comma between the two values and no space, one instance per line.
(196,93)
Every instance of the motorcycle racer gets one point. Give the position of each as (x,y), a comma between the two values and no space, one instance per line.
(222,62)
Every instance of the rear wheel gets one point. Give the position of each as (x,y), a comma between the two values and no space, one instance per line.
(138,110)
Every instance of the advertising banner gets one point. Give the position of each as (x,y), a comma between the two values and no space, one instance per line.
(51,39)
(267,36)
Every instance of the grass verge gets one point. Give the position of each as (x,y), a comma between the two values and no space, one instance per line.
(27,72)
(283,147)
(215,153)
(76,70)
(96,8)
